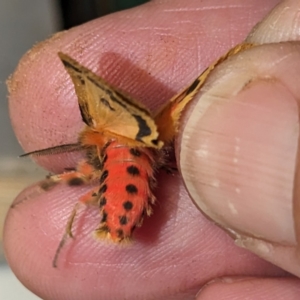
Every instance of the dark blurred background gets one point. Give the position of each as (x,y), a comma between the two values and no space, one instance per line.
(75,12)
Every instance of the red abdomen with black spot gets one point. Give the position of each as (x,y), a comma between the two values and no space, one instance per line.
(125,191)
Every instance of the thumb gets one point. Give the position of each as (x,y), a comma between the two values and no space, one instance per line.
(239,146)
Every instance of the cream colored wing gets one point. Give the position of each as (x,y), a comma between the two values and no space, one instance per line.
(106,109)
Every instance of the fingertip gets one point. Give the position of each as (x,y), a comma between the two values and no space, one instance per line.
(280,25)
(239,145)
(277,207)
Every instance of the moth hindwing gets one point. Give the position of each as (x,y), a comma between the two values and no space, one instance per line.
(167,119)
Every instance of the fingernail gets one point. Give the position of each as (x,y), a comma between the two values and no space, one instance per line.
(237,158)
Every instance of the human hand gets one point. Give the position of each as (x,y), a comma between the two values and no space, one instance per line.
(177,251)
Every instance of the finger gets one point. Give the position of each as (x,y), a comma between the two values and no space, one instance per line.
(243,134)
(254,288)
(174,253)
(150,52)
(281,25)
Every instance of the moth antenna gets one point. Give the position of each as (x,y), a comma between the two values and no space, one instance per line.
(67,234)
(55,150)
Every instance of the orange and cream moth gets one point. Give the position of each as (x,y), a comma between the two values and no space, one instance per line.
(124,147)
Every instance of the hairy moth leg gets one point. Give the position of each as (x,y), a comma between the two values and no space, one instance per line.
(83,173)
(89,198)
(86,171)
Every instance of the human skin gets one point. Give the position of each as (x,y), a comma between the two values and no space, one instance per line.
(151,52)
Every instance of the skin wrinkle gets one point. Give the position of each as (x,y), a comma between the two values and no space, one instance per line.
(206,8)
(277,62)
(151,29)
(279,16)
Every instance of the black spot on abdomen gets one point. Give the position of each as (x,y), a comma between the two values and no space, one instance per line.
(104,217)
(103,176)
(131,189)
(127,205)
(123,220)
(102,202)
(133,170)
(120,234)
(103,189)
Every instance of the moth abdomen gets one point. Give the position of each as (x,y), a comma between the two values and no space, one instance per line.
(125,191)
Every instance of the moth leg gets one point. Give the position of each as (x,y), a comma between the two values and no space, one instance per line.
(67,234)
(83,173)
(88,198)
(86,170)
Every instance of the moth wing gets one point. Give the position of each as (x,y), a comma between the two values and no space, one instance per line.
(105,108)
(167,119)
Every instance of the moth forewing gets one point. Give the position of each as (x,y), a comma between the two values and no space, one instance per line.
(106,108)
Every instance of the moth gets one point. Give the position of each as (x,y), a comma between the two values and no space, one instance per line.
(124,145)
